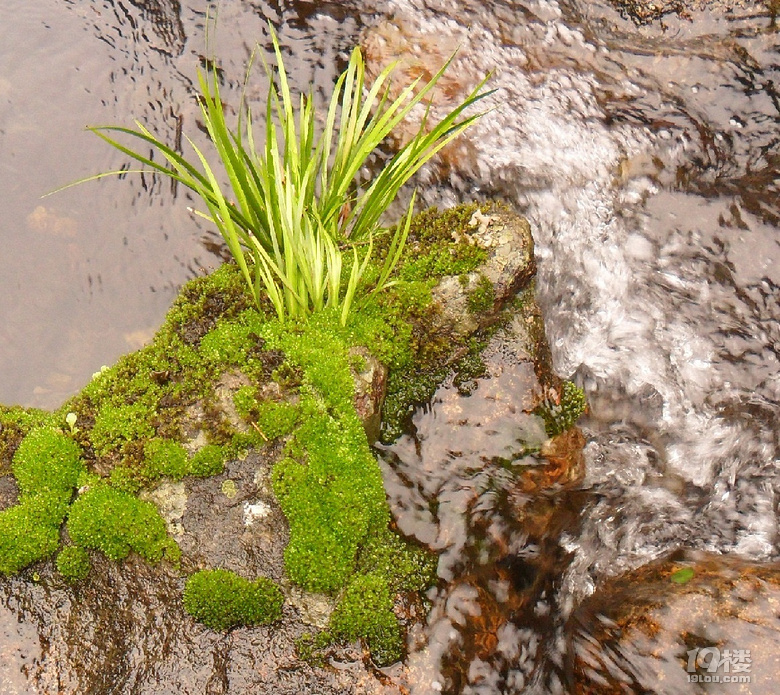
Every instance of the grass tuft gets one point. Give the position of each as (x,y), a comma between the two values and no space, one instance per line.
(300,228)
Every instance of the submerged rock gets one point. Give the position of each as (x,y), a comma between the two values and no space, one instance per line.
(646,11)
(682,624)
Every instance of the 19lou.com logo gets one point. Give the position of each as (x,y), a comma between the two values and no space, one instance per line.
(710,665)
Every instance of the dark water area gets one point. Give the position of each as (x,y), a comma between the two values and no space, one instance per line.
(647,159)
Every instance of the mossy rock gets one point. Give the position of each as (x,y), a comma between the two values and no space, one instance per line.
(134,419)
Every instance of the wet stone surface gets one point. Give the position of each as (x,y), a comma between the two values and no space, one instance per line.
(78,640)
(124,630)
(638,632)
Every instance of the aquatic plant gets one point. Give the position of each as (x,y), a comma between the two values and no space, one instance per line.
(294,207)
(221,599)
(561,414)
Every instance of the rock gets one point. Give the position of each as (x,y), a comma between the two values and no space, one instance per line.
(171,499)
(420,55)
(370,388)
(510,265)
(640,632)
(123,630)
(646,11)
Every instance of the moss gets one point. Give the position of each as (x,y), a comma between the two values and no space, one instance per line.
(437,247)
(47,466)
(245,402)
(405,566)
(276,419)
(165,457)
(221,599)
(15,423)
(308,647)
(125,479)
(405,391)
(233,343)
(331,499)
(130,419)
(47,460)
(73,563)
(561,415)
(205,300)
(366,610)
(210,460)
(482,298)
(30,531)
(115,522)
(117,425)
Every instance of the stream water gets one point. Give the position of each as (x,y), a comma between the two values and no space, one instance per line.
(646,159)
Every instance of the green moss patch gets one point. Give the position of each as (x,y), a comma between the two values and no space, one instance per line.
(47,461)
(221,599)
(15,423)
(328,484)
(73,563)
(437,245)
(29,532)
(46,465)
(483,297)
(366,610)
(562,414)
(116,522)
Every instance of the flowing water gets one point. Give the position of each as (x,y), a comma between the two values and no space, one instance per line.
(646,159)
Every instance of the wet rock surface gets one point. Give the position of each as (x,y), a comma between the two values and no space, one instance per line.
(646,11)
(639,632)
(123,631)
(510,265)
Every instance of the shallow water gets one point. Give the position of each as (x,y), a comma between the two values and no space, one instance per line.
(647,162)
(88,273)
